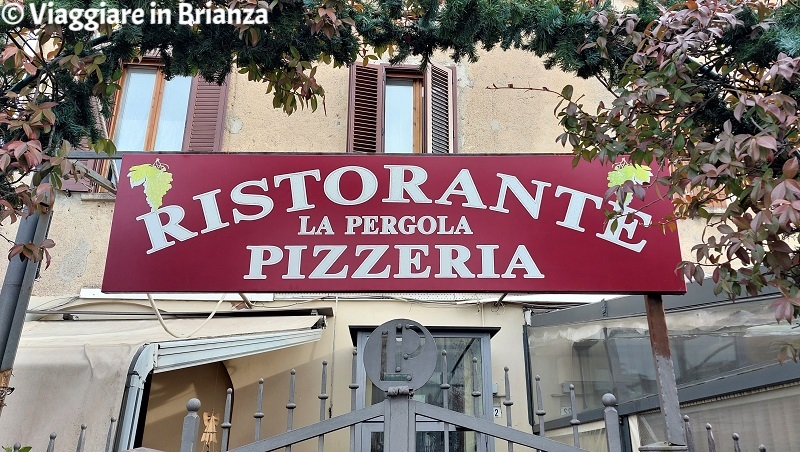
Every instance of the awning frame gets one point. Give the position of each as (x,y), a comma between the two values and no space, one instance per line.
(172,355)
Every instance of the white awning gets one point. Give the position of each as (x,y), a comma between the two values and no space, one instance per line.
(69,373)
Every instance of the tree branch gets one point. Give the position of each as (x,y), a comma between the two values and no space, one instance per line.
(20,85)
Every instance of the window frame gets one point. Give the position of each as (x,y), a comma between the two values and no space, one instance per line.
(423,144)
(418,92)
(363,430)
(156,99)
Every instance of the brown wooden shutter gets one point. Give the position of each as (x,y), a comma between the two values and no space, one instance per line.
(206,119)
(365,112)
(440,109)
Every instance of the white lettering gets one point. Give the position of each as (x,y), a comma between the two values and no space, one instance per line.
(530,204)
(38,17)
(468,190)
(370,225)
(387,225)
(487,261)
(522,259)
(577,201)
(463,226)
(334,252)
(443,226)
(245,199)
(157,231)
(376,252)
(333,189)
(257,260)
(297,185)
(404,226)
(448,263)
(352,223)
(185,15)
(622,224)
(208,202)
(430,228)
(409,261)
(398,185)
(324,227)
(293,264)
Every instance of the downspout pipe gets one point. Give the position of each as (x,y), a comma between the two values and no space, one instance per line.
(141,367)
(15,294)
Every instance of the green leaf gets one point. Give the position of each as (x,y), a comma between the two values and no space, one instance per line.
(567,92)
(680,143)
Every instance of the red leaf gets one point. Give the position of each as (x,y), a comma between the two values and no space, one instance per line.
(14,251)
(767,141)
(783,311)
(790,168)
(9,52)
(779,192)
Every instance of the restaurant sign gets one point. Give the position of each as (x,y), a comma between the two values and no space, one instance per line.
(385,223)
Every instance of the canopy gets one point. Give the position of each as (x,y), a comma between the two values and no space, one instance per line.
(69,373)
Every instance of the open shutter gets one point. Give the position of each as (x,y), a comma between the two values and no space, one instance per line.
(441,107)
(206,119)
(365,112)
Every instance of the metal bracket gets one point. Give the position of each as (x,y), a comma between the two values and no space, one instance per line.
(394,391)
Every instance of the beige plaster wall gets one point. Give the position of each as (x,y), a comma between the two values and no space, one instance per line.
(489,121)
(511,120)
(80,229)
(252,124)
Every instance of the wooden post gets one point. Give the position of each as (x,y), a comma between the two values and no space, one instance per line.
(665,377)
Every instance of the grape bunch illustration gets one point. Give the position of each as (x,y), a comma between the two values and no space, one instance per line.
(625,171)
(155,178)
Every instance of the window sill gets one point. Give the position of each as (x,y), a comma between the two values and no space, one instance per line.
(98,197)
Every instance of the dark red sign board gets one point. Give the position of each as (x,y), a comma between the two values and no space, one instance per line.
(384,223)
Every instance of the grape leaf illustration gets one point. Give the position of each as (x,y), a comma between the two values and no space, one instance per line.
(155,178)
(626,172)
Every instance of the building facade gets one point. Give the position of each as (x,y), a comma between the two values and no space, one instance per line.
(117,358)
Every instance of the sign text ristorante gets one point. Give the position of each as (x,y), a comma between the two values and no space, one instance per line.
(380,223)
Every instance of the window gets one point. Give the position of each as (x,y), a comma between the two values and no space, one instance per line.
(155,114)
(463,377)
(614,355)
(401,110)
(153,122)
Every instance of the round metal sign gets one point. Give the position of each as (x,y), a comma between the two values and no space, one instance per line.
(400,352)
